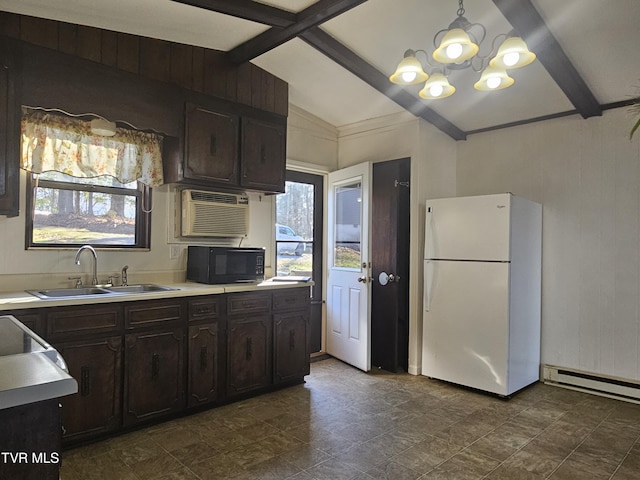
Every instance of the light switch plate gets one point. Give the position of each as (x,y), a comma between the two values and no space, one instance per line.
(174,254)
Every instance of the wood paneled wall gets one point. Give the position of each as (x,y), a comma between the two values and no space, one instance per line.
(197,69)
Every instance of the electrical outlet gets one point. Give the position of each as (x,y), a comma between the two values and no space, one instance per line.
(174,254)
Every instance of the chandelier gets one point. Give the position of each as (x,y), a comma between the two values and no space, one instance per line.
(456,48)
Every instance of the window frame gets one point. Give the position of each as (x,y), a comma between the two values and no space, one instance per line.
(143,215)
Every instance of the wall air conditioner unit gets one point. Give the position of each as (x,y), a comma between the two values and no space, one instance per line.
(212,214)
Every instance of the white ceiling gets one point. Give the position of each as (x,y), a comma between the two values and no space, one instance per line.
(601,38)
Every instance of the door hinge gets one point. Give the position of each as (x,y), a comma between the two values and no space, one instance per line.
(398,183)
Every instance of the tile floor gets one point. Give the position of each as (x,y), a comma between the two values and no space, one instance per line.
(344,424)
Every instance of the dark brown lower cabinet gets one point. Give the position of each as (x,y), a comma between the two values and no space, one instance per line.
(154,383)
(145,360)
(248,353)
(291,359)
(203,364)
(31,441)
(97,367)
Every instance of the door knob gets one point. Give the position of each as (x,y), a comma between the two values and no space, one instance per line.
(384,278)
(362,279)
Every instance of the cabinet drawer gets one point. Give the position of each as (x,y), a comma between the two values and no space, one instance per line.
(84,320)
(291,299)
(241,303)
(204,308)
(150,313)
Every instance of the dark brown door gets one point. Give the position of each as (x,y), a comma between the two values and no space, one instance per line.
(9,128)
(290,344)
(203,364)
(211,146)
(154,374)
(263,147)
(249,360)
(97,367)
(390,265)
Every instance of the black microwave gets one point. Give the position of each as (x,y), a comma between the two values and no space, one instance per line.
(214,265)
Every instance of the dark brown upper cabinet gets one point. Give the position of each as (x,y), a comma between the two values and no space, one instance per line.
(263,157)
(9,127)
(228,150)
(211,146)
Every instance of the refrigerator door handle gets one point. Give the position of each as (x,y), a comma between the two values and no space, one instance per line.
(428,281)
(428,234)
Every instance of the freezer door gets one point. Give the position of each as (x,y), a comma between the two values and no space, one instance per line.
(468,228)
(466,330)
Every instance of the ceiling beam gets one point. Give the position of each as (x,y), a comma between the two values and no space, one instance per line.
(526,20)
(330,47)
(246,9)
(310,17)
(340,54)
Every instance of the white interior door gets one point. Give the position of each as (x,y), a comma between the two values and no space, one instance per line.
(348,276)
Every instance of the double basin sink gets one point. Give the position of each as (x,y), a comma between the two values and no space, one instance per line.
(82,292)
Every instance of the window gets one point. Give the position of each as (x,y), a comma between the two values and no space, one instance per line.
(87,187)
(348,233)
(69,212)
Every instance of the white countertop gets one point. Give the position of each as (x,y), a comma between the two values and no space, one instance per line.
(22,299)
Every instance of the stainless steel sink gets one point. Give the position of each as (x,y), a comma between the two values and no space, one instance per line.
(98,291)
(69,292)
(143,288)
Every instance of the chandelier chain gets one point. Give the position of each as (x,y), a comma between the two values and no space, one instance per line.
(460,11)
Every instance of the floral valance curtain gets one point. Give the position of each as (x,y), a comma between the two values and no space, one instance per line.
(53,142)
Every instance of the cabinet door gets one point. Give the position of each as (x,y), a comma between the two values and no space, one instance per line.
(153,374)
(9,128)
(263,157)
(211,142)
(203,364)
(97,367)
(291,359)
(249,354)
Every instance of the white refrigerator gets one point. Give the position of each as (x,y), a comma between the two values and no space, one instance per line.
(482,267)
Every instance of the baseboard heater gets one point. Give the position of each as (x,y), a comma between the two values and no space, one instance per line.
(612,387)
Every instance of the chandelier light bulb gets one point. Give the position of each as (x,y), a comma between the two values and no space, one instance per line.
(409,76)
(436,87)
(493,82)
(409,71)
(493,79)
(454,51)
(436,90)
(510,59)
(455,41)
(513,53)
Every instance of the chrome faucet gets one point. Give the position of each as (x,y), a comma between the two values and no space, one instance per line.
(94,281)
(124,275)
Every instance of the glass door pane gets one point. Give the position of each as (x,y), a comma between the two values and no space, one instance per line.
(294,230)
(347,228)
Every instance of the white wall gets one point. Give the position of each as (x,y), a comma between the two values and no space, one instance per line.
(311,141)
(586,174)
